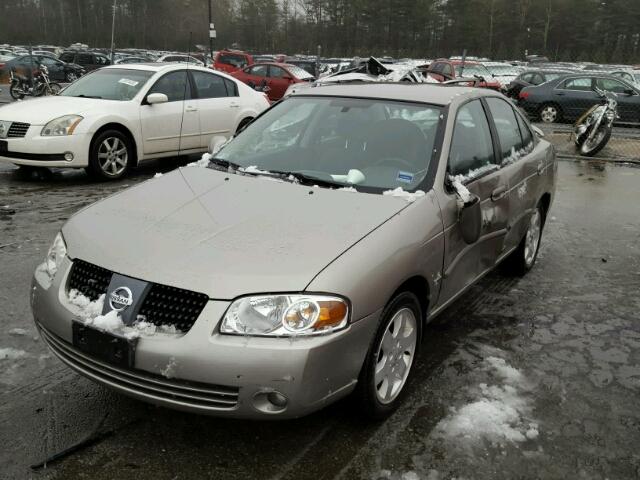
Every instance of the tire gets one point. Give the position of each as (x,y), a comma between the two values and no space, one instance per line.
(584,150)
(376,396)
(550,113)
(524,256)
(71,77)
(56,88)
(243,124)
(110,155)
(15,93)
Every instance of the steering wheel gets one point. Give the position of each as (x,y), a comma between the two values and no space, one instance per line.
(393,160)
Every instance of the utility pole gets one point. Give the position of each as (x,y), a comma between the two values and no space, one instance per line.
(113,30)
(212,32)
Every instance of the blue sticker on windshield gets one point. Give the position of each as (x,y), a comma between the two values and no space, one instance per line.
(405,177)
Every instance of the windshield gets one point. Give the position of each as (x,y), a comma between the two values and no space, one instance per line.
(376,144)
(109,84)
(502,70)
(471,69)
(299,72)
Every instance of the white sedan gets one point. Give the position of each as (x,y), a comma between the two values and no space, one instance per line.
(115,117)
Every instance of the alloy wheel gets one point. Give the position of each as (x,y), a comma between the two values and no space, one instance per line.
(113,156)
(395,355)
(532,239)
(549,114)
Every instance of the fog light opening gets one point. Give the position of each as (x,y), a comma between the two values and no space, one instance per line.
(270,401)
(68,156)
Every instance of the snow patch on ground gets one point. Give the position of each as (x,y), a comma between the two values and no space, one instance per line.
(157,175)
(401,193)
(500,412)
(10,353)
(18,332)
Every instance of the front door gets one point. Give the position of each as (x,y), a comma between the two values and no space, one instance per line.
(279,81)
(628,105)
(173,126)
(474,163)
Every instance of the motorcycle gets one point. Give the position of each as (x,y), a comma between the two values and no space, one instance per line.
(42,86)
(593,129)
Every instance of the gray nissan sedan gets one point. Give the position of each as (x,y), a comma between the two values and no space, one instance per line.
(299,263)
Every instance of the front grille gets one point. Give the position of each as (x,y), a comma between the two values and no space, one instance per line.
(172,306)
(18,130)
(163,305)
(179,393)
(90,280)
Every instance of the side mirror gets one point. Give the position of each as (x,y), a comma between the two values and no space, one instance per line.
(154,98)
(471,220)
(537,131)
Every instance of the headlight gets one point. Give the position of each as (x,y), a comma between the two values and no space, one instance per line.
(285,315)
(56,254)
(61,126)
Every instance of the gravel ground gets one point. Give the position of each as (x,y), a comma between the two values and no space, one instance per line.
(533,378)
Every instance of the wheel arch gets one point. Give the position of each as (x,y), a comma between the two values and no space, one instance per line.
(545,203)
(124,130)
(419,286)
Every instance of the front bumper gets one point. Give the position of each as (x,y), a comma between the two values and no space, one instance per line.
(211,373)
(38,151)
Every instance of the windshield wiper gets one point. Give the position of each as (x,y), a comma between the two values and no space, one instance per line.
(308,179)
(87,96)
(225,164)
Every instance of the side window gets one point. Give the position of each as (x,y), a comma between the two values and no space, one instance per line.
(259,70)
(174,86)
(447,70)
(537,79)
(85,59)
(437,68)
(611,85)
(582,84)
(101,60)
(471,145)
(527,77)
(67,57)
(209,85)
(232,88)
(525,132)
(276,72)
(506,124)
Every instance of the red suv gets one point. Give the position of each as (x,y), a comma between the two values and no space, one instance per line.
(443,70)
(277,76)
(231,60)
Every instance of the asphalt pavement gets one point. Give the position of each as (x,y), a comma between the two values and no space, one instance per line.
(532,378)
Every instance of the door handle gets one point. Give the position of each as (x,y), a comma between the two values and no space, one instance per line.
(499,193)
(560,94)
(540,168)
(191,109)
(234,105)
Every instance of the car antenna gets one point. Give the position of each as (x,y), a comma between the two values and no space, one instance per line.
(184,94)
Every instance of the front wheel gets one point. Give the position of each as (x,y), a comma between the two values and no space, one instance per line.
(388,365)
(16,92)
(590,147)
(54,89)
(524,256)
(110,155)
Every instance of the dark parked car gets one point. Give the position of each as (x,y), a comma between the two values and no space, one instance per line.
(532,77)
(569,96)
(59,71)
(88,60)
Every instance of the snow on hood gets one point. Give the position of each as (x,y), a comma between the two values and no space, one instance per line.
(223,234)
(40,111)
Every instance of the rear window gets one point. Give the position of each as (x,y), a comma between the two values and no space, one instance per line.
(233,59)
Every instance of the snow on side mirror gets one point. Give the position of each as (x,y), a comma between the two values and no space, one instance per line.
(537,131)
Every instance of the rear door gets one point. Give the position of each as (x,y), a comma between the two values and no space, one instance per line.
(173,126)
(217,101)
(474,162)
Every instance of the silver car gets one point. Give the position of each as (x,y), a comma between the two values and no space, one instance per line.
(302,263)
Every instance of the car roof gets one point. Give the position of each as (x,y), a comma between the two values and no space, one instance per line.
(157,67)
(405,92)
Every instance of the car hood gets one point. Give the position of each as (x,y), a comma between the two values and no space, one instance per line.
(222,234)
(40,111)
